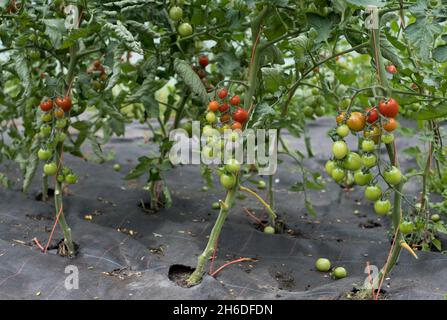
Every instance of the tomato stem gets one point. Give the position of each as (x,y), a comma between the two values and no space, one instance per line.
(270,211)
(44,187)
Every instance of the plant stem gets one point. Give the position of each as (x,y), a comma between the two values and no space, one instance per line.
(197,275)
(308,144)
(270,193)
(270,211)
(44,187)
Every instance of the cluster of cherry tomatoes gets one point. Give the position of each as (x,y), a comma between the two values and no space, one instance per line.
(13,7)
(203,63)
(98,73)
(231,114)
(184,29)
(52,132)
(357,167)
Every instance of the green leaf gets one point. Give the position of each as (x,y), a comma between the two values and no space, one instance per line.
(430,113)
(118,53)
(23,71)
(365,3)
(323,25)
(125,36)
(55,29)
(440,53)
(142,168)
(31,165)
(167,196)
(191,79)
(273,78)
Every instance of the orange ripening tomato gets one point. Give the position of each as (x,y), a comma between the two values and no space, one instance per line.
(356,121)
(213,105)
(59,113)
(225,118)
(390,125)
(236,125)
(391,69)
(340,117)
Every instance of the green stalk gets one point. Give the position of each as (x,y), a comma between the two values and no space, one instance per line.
(58,205)
(197,275)
(44,187)
(308,144)
(270,193)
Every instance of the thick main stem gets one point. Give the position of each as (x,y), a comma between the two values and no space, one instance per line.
(197,275)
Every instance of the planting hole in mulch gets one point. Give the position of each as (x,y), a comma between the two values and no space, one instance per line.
(179,273)
(39,196)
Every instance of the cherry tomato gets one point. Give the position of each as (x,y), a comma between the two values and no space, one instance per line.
(368,145)
(393,175)
(373,133)
(235,100)
(97,64)
(117,167)
(390,125)
(406,227)
(319,111)
(64,103)
(389,108)
(45,130)
(323,265)
(223,93)
(175,13)
(240,115)
(382,207)
(46,117)
(369,160)
(213,105)
(233,166)
(44,154)
(227,181)
(71,179)
(225,118)
(372,115)
(356,121)
(387,138)
(308,112)
(50,169)
(261,185)
(203,61)
(391,69)
(341,116)
(215,205)
(340,149)
(185,29)
(46,105)
(352,161)
(60,137)
(224,107)
(201,73)
(330,165)
(338,174)
(269,230)
(236,126)
(373,193)
(343,130)
(339,273)
(435,217)
(211,117)
(361,178)
(59,113)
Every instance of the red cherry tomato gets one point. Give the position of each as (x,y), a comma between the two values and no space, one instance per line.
(391,69)
(223,93)
(204,61)
(224,107)
(46,105)
(372,115)
(240,115)
(235,100)
(64,103)
(391,125)
(389,108)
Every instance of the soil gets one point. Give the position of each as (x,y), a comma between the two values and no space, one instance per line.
(126,253)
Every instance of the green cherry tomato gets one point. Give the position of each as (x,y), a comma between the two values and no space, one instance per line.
(373,193)
(61,123)
(60,137)
(387,138)
(233,166)
(343,130)
(215,205)
(227,181)
(435,217)
(211,117)
(44,154)
(175,13)
(323,265)
(185,29)
(344,104)
(261,184)
(393,176)
(46,117)
(319,111)
(50,169)
(330,165)
(308,111)
(60,178)
(361,178)
(339,273)
(368,145)
(117,167)
(353,161)
(406,227)
(269,230)
(71,179)
(369,160)
(382,207)
(338,174)
(340,149)
(45,131)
